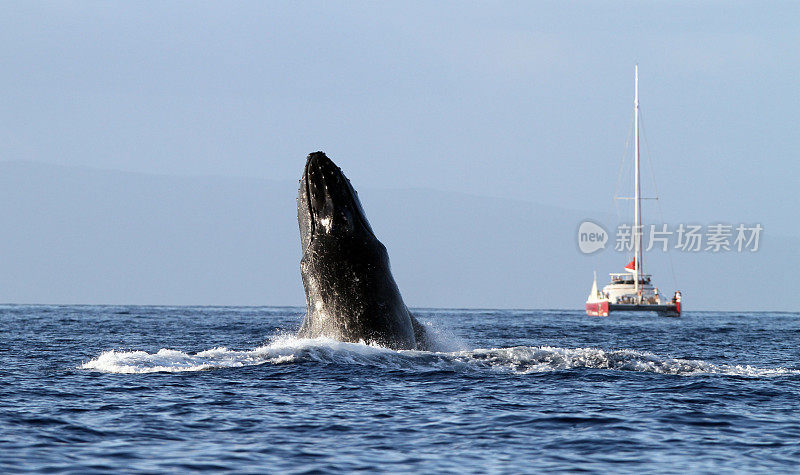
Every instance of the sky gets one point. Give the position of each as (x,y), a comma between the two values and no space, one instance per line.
(529,101)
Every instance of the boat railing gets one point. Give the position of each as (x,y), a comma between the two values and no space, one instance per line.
(628,279)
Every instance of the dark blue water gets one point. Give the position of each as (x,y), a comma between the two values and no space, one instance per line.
(90,388)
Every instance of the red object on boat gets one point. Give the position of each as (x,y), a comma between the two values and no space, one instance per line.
(597,309)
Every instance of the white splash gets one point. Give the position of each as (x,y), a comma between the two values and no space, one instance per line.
(527,359)
(516,360)
(282,350)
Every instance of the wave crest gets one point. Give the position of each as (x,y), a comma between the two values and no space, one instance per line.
(527,359)
(519,360)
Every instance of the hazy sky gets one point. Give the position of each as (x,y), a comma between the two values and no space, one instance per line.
(528,100)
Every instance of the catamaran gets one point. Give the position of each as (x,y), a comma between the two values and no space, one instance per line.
(632,290)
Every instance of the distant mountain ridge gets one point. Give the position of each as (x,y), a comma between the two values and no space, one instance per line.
(80,235)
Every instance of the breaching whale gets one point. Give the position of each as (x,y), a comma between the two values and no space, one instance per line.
(350,292)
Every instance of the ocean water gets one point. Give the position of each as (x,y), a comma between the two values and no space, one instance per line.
(175,389)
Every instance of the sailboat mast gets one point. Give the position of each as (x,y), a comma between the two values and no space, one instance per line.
(637,225)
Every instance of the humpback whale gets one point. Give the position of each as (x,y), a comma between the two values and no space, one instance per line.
(350,292)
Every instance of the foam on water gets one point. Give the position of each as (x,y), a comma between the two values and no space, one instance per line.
(526,359)
(280,351)
(519,360)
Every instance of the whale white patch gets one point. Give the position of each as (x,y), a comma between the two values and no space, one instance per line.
(326,224)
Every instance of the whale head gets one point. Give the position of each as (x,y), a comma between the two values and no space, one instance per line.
(327,204)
